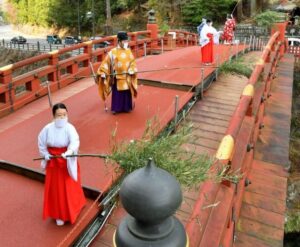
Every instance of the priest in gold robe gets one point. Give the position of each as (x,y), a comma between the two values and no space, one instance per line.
(117,75)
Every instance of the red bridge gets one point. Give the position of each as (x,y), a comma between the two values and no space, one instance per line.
(244,123)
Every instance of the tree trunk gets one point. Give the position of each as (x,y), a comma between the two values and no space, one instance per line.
(108,26)
(239,11)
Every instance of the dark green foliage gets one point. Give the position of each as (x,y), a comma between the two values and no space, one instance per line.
(64,13)
(56,13)
(236,66)
(194,10)
(267,18)
(189,167)
(293,222)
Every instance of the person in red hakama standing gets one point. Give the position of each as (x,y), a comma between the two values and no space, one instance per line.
(207,43)
(63,194)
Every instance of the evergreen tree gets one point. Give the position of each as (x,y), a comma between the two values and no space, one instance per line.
(194,10)
(64,13)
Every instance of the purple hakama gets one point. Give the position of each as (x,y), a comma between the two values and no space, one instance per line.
(121,101)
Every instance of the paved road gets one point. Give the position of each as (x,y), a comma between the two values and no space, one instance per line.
(7,33)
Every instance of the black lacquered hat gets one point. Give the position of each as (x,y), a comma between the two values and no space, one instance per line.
(122,35)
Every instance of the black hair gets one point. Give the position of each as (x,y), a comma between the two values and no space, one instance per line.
(208,20)
(58,106)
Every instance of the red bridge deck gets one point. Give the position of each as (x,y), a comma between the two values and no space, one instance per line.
(18,134)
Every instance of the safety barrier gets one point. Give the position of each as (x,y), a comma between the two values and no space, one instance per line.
(56,69)
(294,50)
(32,46)
(216,212)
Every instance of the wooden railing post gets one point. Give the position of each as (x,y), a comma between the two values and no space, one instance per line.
(54,77)
(8,95)
(280,27)
(88,49)
(153,28)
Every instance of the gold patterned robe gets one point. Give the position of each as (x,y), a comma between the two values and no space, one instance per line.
(117,66)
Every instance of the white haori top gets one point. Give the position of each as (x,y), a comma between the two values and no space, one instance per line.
(67,136)
(204,40)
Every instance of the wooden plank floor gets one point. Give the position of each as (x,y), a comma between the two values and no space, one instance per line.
(273,142)
(210,117)
(262,216)
(261,221)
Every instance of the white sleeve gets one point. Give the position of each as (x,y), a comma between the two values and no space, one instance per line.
(204,40)
(42,144)
(74,146)
(74,139)
(203,34)
(216,35)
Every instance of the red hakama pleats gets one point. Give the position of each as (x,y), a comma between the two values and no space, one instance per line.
(207,52)
(63,197)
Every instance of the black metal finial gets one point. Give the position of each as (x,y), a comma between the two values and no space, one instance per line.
(151,196)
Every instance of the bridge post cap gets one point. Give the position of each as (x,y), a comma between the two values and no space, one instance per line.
(152,188)
(151,16)
(268,47)
(89,42)
(6,67)
(260,62)
(248,90)
(225,148)
(151,196)
(53,52)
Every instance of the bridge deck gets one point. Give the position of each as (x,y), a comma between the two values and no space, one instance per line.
(187,65)
(18,135)
(210,117)
(263,209)
(261,220)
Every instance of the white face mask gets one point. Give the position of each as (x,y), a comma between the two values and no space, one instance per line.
(125,45)
(60,122)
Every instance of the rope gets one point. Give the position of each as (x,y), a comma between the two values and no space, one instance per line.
(80,221)
(91,76)
(235,6)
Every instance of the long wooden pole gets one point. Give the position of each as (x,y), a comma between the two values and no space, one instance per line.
(103,156)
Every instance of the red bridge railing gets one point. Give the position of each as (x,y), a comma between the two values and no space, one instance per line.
(59,68)
(216,212)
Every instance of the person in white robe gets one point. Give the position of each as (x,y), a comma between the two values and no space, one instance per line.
(63,194)
(60,133)
(209,35)
(209,29)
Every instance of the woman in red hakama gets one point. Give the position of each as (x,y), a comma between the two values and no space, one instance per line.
(63,194)
(207,51)
(207,43)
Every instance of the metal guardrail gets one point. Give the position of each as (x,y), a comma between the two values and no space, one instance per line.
(37,46)
(292,31)
(55,69)
(249,30)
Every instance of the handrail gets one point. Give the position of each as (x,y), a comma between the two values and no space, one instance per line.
(243,129)
(60,70)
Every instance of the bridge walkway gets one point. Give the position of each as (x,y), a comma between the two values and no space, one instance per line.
(262,215)
(210,118)
(18,143)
